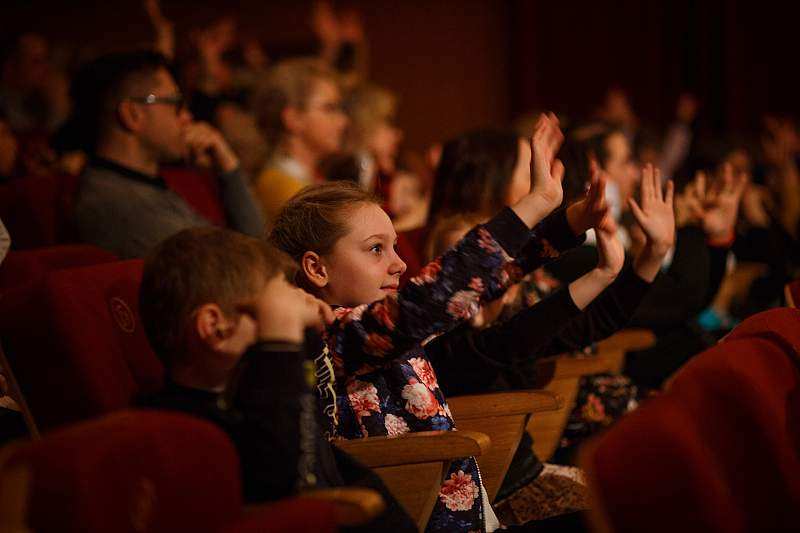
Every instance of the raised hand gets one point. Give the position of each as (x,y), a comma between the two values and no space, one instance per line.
(611,253)
(590,212)
(721,204)
(689,203)
(655,216)
(547,171)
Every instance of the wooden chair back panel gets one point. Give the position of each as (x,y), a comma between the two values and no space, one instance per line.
(546,428)
(505,432)
(503,417)
(416,487)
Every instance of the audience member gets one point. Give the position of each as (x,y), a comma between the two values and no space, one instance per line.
(130,116)
(299,110)
(230,329)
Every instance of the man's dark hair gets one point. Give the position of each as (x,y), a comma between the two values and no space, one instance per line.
(96,90)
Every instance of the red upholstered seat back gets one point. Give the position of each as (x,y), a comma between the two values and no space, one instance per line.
(81,350)
(651,472)
(199,189)
(133,471)
(28,266)
(747,393)
(35,210)
(717,452)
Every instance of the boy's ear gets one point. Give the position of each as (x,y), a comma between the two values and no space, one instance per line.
(211,325)
(314,269)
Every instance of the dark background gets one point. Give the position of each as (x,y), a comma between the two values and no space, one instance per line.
(462,64)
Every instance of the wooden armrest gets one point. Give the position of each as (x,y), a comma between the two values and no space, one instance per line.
(354,506)
(503,404)
(413,465)
(421,447)
(628,340)
(502,416)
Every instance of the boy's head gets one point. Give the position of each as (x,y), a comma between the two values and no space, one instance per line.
(343,241)
(199,291)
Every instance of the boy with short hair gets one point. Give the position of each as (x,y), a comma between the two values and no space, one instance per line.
(219,311)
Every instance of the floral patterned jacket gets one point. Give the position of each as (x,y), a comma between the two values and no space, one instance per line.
(374,378)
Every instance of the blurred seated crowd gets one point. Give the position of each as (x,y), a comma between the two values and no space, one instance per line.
(303,279)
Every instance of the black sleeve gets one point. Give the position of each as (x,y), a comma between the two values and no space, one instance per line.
(469,361)
(607,314)
(679,293)
(278,435)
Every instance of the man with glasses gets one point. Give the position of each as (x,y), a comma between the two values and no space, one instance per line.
(131,118)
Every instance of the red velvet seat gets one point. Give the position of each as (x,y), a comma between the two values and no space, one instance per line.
(80,349)
(35,210)
(717,452)
(199,189)
(137,471)
(27,266)
(748,393)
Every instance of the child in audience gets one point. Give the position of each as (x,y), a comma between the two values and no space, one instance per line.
(497,352)
(230,329)
(299,111)
(383,382)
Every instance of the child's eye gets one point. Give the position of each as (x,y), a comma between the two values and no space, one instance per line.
(377,249)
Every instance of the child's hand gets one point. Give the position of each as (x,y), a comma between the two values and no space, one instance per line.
(655,217)
(689,203)
(547,171)
(284,312)
(593,209)
(721,204)
(611,253)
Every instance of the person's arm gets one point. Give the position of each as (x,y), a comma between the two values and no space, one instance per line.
(241,209)
(278,415)
(679,292)
(449,289)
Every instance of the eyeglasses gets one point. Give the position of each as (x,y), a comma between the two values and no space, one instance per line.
(178,101)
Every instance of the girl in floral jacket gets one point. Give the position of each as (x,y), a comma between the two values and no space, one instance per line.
(374,376)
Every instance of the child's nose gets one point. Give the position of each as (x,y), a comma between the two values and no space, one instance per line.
(398,266)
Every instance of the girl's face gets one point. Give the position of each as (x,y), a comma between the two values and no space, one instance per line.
(521,178)
(363,266)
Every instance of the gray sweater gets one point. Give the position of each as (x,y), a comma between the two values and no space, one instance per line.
(127,212)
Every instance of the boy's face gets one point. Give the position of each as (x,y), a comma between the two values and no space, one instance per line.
(363,266)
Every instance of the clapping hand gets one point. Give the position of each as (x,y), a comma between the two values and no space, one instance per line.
(655,216)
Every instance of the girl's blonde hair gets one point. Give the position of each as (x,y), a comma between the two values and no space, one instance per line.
(368,105)
(288,84)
